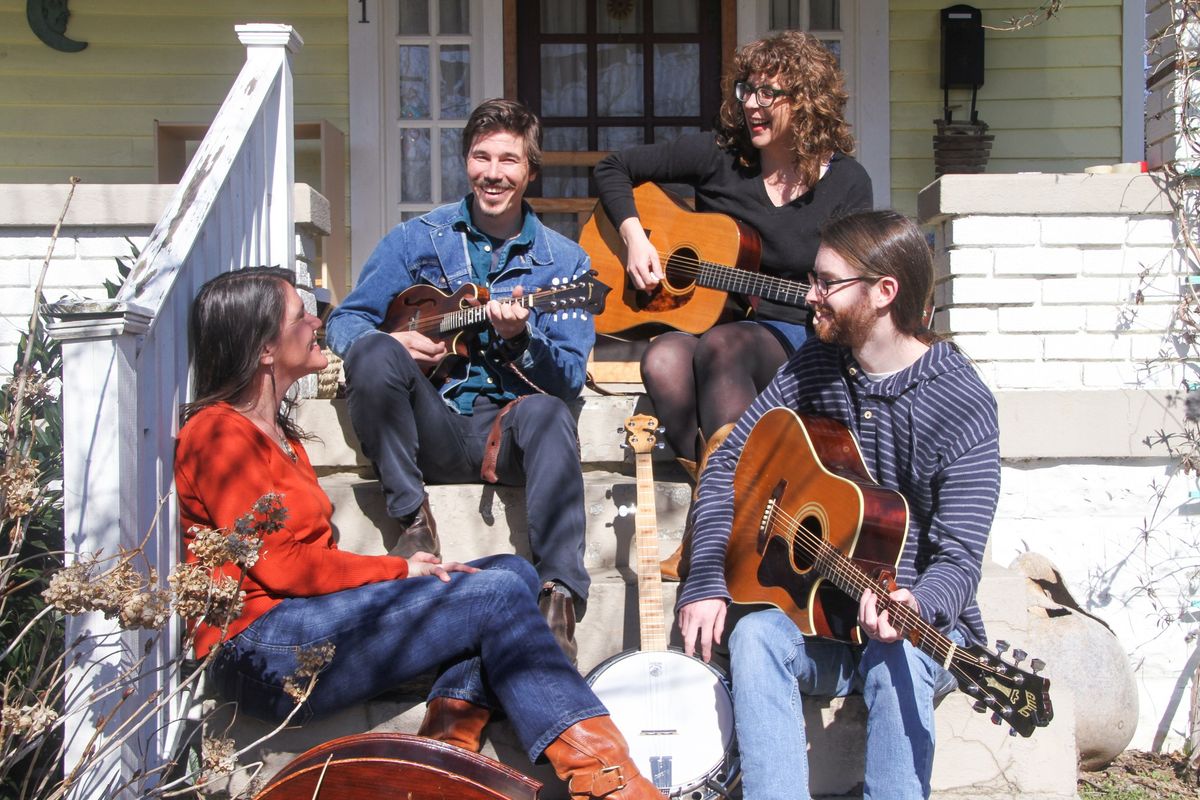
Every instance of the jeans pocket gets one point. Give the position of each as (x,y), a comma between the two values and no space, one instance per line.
(258,698)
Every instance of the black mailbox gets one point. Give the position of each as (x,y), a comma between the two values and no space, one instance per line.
(962,47)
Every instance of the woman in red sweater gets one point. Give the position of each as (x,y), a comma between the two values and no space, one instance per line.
(389,619)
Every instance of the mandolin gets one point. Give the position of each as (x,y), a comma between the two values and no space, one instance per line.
(812,532)
(705,256)
(455,318)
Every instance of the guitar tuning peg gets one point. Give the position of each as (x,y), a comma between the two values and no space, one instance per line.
(1001,646)
(995,719)
(1012,731)
(1018,655)
(980,706)
(1037,665)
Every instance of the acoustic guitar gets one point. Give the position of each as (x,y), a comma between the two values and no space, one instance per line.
(455,318)
(704,257)
(675,711)
(812,532)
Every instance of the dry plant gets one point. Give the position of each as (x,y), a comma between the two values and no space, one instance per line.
(40,585)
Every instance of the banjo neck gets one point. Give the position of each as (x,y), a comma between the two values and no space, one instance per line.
(650,595)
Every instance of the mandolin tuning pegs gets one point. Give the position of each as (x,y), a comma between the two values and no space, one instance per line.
(660,445)
(620,429)
(1001,646)
(1037,665)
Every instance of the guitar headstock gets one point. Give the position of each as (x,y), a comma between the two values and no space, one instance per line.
(1013,695)
(641,433)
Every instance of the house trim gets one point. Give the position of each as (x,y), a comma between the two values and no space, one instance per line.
(1133,82)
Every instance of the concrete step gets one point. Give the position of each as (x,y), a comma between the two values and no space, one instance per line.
(475,520)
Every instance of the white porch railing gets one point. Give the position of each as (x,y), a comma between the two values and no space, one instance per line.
(125,374)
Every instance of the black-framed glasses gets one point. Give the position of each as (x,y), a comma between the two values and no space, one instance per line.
(766,95)
(822,286)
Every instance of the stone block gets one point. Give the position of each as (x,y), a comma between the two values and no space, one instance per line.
(971,260)
(992,291)
(1038,375)
(1012,347)
(32,245)
(1084,290)
(1040,318)
(1103,262)
(958,319)
(1086,347)
(1151,231)
(1107,375)
(1038,261)
(1155,259)
(992,230)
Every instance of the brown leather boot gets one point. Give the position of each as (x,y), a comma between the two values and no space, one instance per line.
(558,607)
(455,721)
(418,534)
(593,758)
(674,567)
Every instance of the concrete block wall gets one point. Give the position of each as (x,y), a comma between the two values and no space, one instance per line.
(1064,289)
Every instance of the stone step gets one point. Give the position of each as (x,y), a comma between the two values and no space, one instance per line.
(336,448)
(475,520)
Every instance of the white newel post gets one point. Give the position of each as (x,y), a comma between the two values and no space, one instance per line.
(124,378)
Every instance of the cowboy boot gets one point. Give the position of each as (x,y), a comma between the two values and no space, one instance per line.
(454,721)
(674,567)
(592,757)
(418,534)
(558,607)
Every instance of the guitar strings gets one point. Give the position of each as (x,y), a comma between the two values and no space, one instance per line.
(841,566)
(689,266)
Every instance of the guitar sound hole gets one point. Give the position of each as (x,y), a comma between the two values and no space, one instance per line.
(682,267)
(808,535)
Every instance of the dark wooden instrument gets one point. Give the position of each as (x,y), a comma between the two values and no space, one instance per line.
(396,765)
(812,532)
(455,318)
(704,256)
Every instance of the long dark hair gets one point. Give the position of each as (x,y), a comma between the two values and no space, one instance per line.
(809,72)
(886,244)
(234,316)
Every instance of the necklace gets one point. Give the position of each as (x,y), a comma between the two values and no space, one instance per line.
(271,430)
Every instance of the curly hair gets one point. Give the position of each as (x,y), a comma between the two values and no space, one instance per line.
(808,71)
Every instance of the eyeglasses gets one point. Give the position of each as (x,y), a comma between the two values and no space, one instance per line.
(766,95)
(822,286)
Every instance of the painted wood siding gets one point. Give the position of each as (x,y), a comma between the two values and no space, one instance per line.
(1052,93)
(92,113)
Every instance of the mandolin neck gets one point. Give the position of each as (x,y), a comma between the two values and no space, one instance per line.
(476,316)
(650,595)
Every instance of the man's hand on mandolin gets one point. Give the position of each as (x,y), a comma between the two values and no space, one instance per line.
(508,319)
(425,351)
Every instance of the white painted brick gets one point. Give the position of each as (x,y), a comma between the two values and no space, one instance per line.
(1130,317)
(1103,262)
(1156,375)
(1001,348)
(992,291)
(1085,347)
(1040,318)
(1150,231)
(16,301)
(966,320)
(1157,259)
(1084,290)
(1038,375)
(1144,346)
(18,271)
(81,273)
(101,246)
(12,246)
(971,261)
(1038,261)
(1007,230)
(1083,230)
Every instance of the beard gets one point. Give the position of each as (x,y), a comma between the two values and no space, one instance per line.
(849,327)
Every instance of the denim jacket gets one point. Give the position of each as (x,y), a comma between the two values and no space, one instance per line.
(432,250)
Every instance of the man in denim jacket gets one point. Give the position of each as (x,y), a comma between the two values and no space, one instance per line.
(414,431)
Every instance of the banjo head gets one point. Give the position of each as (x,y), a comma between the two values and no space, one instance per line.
(676,713)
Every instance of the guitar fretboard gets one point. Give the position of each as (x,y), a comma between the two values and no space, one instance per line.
(650,598)
(742,281)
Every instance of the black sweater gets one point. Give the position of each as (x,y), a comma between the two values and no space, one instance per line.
(789,233)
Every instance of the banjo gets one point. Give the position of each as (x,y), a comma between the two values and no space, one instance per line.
(675,711)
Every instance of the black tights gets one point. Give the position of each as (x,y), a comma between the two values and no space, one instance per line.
(702,383)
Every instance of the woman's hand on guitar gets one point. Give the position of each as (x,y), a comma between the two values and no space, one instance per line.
(879,624)
(641,259)
(703,621)
(422,563)
(425,351)
(508,319)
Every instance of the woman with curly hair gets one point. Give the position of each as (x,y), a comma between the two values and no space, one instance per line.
(779,162)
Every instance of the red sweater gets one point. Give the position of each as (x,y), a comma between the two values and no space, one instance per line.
(223,464)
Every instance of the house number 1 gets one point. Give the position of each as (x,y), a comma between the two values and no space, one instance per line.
(363,3)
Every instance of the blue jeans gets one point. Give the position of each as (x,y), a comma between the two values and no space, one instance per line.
(482,631)
(774,666)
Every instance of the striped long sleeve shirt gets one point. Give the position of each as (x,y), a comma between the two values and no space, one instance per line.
(929,432)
